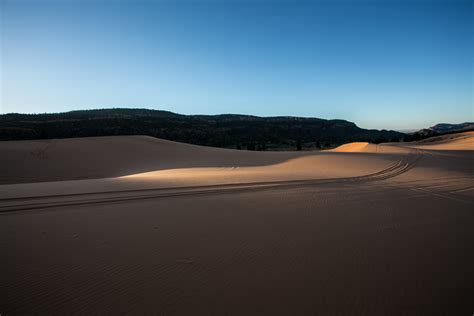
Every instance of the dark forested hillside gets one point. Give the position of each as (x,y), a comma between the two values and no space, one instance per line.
(230,131)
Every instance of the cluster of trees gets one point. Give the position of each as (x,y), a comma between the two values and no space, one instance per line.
(228,131)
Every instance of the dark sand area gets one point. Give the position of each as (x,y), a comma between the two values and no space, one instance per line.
(396,238)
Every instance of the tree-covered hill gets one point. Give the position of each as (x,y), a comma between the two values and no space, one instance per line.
(228,130)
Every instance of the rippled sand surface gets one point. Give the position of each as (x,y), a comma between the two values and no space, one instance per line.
(134,224)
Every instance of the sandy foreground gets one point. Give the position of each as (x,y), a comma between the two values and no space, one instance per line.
(134,224)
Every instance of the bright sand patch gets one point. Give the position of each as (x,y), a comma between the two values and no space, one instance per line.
(354,147)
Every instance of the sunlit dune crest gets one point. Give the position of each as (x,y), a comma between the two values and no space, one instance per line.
(353,147)
(316,166)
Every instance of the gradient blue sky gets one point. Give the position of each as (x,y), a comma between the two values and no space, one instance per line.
(382,64)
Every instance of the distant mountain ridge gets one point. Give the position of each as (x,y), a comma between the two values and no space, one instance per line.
(440,129)
(225,130)
(445,127)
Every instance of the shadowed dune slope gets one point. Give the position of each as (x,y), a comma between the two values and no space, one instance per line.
(145,159)
(113,156)
(117,156)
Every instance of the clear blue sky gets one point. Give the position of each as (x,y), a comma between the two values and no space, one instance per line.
(382,64)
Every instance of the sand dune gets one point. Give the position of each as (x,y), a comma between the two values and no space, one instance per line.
(457,141)
(355,147)
(104,157)
(161,227)
(114,163)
